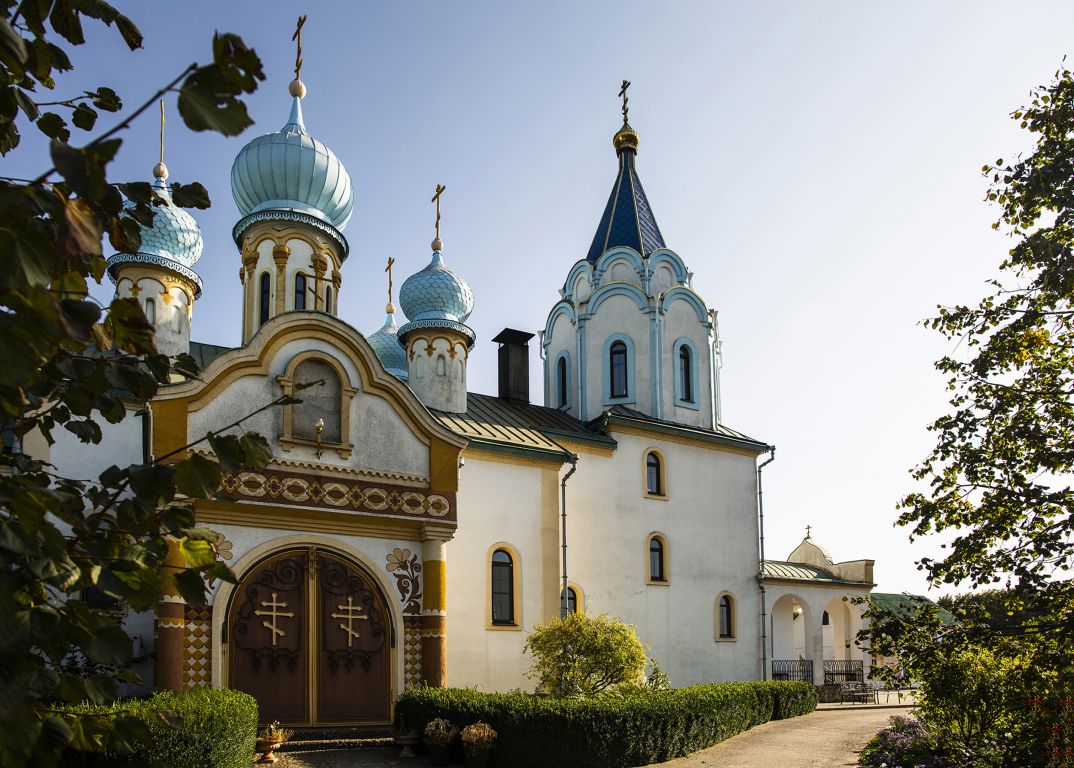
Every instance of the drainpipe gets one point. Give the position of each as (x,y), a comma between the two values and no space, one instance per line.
(760,563)
(563,516)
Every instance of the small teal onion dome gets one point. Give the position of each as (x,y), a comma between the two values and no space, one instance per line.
(436,297)
(174,241)
(290,170)
(385,342)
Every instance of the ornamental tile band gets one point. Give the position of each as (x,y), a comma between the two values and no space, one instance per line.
(336,494)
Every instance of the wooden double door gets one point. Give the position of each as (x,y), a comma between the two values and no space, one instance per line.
(310,637)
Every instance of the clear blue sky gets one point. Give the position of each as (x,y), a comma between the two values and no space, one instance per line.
(817,165)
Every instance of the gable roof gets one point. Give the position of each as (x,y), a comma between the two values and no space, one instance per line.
(784,569)
(522,428)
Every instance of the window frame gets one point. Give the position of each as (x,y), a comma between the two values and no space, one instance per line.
(287,440)
(693,404)
(732,610)
(631,395)
(151,311)
(300,293)
(264,298)
(579,597)
(328,299)
(516,588)
(665,560)
(561,384)
(662,482)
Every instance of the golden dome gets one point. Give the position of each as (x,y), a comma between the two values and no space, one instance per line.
(626,138)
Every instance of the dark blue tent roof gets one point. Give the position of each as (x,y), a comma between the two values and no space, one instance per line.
(628,218)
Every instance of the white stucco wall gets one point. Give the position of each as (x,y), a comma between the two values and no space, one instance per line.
(708,520)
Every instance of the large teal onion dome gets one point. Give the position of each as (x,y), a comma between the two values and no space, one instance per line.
(436,297)
(289,174)
(173,241)
(385,343)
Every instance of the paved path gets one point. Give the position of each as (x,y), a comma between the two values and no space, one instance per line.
(827,738)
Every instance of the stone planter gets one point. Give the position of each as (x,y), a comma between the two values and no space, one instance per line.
(407,741)
(266,747)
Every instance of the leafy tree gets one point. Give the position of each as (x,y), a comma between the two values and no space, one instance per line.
(999,477)
(582,655)
(69,363)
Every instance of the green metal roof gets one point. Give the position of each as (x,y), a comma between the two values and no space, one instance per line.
(721,435)
(204,354)
(521,428)
(905,603)
(783,569)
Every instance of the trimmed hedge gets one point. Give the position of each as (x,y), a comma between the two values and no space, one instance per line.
(640,728)
(219,728)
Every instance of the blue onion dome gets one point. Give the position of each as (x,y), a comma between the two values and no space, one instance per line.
(436,297)
(290,171)
(174,240)
(385,343)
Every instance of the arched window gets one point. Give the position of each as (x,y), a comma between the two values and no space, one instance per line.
(320,402)
(657,560)
(617,366)
(561,382)
(151,311)
(572,600)
(654,481)
(300,291)
(328,300)
(825,619)
(726,618)
(503,588)
(264,297)
(686,375)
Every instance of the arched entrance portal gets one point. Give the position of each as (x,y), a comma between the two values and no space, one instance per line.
(309,636)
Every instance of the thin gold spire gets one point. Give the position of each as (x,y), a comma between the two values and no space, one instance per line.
(390,309)
(438,243)
(160,170)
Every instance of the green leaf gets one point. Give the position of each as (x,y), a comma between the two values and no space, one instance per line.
(84,117)
(228,450)
(12,47)
(197,477)
(26,104)
(191,586)
(256,451)
(65,21)
(190,196)
(106,99)
(53,126)
(198,553)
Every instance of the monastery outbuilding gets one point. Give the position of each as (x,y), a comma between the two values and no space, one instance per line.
(409,531)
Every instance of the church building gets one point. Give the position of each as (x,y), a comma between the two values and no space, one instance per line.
(411,532)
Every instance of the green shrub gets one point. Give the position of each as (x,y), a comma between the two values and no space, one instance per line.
(218,729)
(608,731)
(582,655)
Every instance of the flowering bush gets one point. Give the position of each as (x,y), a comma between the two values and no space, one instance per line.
(905,743)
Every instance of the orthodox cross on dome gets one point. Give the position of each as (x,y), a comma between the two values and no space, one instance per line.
(351,613)
(297,38)
(436,199)
(808,530)
(391,307)
(623,95)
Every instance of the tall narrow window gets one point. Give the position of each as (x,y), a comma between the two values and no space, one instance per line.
(727,615)
(572,600)
(686,378)
(561,382)
(617,364)
(328,300)
(656,560)
(264,297)
(300,291)
(503,588)
(652,475)
(151,311)
(825,619)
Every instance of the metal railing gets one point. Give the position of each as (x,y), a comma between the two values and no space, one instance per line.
(792,669)
(836,671)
